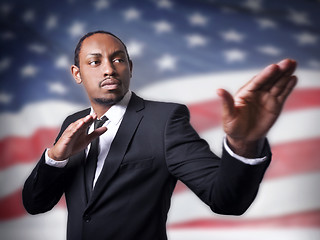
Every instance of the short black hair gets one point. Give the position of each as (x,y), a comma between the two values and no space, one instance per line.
(78,47)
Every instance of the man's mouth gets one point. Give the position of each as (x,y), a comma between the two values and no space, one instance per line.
(110,84)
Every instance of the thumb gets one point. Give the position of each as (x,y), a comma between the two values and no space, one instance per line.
(228,109)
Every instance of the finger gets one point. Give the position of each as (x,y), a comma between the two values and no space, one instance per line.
(287,66)
(96,133)
(286,69)
(280,86)
(79,127)
(288,89)
(228,109)
(85,122)
(266,77)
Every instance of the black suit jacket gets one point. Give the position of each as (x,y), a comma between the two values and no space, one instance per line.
(154,146)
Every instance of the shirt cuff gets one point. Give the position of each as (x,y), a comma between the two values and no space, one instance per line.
(249,161)
(53,163)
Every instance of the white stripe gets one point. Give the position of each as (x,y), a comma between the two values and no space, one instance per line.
(296,125)
(13,178)
(290,127)
(198,88)
(277,197)
(32,116)
(245,234)
(48,226)
(287,195)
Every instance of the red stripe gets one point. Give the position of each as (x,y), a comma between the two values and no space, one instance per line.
(11,206)
(305,219)
(206,115)
(303,98)
(294,158)
(16,150)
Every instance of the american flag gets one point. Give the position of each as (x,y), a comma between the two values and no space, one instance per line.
(182,50)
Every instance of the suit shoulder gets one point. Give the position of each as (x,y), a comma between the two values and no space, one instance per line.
(166,108)
(79,114)
(164,105)
(74,117)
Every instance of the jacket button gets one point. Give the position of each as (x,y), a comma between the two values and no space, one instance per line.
(87,218)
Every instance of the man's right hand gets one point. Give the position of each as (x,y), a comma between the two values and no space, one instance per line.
(75,138)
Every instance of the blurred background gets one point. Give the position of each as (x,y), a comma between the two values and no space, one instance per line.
(182,51)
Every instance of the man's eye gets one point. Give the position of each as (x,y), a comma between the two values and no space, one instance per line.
(92,63)
(118,60)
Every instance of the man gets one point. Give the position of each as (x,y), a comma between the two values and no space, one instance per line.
(146,146)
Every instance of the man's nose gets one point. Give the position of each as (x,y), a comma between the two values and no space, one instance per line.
(109,69)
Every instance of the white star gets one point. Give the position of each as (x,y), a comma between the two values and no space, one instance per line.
(306,39)
(29,71)
(52,22)
(5,9)
(198,20)
(57,87)
(101,4)
(254,5)
(131,14)
(299,18)
(5,98)
(63,62)
(196,40)
(135,48)
(77,29)
(235,55)
(232,36)
(5,64)
(167,62)
(29,16)
(164,4)
(269,50)
(266,23)
(162,27)
(37,48)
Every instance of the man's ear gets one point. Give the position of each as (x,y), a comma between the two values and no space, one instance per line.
(76,74)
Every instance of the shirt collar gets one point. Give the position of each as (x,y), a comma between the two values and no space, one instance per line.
(116,112)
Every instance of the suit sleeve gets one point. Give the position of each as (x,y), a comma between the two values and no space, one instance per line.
(45,185)
(226,184)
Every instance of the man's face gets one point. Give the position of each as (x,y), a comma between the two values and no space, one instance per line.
(105,69)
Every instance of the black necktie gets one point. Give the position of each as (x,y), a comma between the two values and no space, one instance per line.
(92,158)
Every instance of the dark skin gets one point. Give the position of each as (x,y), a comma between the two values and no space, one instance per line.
(105,72)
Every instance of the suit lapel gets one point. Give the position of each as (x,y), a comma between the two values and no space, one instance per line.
(129,124)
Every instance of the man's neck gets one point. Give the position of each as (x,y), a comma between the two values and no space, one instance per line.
(100,109)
